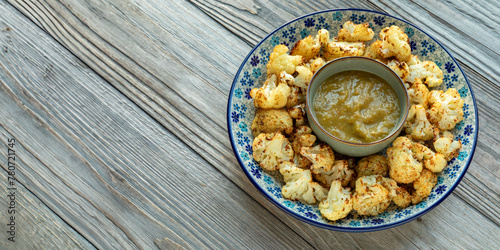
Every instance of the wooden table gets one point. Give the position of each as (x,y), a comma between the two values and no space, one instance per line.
(118,112)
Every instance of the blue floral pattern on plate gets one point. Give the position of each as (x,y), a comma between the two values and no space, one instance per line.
(252,73)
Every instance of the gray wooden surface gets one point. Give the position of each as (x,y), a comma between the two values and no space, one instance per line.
(118,111)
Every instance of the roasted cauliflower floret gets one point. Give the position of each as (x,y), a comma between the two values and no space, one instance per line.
(351,32)
(280,60)
(428,72)
(273,94)
(337,204)
(271,120)
(299,184)
(297,96)
(404,166)
(447,147)
(423,186)
(399,195)
(374,51)
(269,150)
(336,49)
(401,68)
(435,162)
(315,64)
(298,112)
(419,94)
(321,156)
(417,124)
(339,171)
(372,165)
(308,48)
(323,37)
(303,78)
(446,108)
(395,43)
(301,137)
(371,198)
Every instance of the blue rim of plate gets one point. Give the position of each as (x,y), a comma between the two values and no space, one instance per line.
(332,226)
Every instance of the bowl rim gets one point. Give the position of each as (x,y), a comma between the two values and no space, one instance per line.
(399,126)
(331,226)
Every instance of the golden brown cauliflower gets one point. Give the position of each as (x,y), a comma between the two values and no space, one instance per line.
(301,137)
(399,195)
(371,198)
(299,184)
(336,49)
(446,108)
(337,204)
(400,68)
(271,120)
(323,37)
(273,94)
(428,72)
(423,186)
(303,77)
(417,124)
(435,162)
(351,32)
(280,60)
(298,112)
(404,166)
(339,171)
(308,48)
(419,94)
(374,51)
(297,96)
(269,150)
(448,147)
(316,64)
(321,156)
(395,43)
(372,165)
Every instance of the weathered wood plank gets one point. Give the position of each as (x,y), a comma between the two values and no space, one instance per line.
(105,167)
(37,227)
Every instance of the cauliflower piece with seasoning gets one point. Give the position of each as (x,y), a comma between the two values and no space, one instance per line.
(298,113)
(351,32)
(280,60)
(446,108)
(435,162)
(308,48)
(321,156)
(323,37)
(447,147)
(303,78)
(419,94)
(373,51)
(269,150)
(299,184)
(417,124)
(423,186)
(395,43)
(372,165)
(316,64)
(371,197)
(336,49)
(272,94)
(337,204)
(401,68)
(399,195)
(297,96)
(301,137)
(340,171)
(428,72)
(404,166)
(271,120)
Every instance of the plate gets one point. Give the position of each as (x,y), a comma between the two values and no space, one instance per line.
(252,73)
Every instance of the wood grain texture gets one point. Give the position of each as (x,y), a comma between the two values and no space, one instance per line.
(179,72)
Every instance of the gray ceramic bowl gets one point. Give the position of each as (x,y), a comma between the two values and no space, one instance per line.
(362,64)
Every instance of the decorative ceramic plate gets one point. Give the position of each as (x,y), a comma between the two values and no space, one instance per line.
(252,73)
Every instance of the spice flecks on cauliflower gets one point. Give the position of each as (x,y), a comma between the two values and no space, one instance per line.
(301,137)
(371,198)
(404,167)
(417,124)
(299,184)
(399,195)
(447,146)
(336,49)
(372,165)
(351,32)
(446,108)
(428,72)
(321,156)
(308,48)
(423,186)
(298,112)
(323,37)
(431,160)
(374,51)
(316,63)
(271,120)
(280,60)
(303,77)
(400,68)
(419,94)
(297,96)
(395,43)
(339,171)
(272,94)
(338,203)
(269,150)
